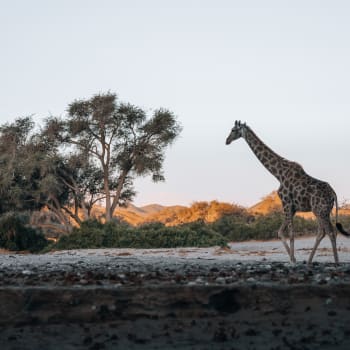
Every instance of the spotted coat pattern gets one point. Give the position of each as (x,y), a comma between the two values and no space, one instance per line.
(298,191)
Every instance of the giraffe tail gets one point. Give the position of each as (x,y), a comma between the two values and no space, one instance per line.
(341,229)
(338,225)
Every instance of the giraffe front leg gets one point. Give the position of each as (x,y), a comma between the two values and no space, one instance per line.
(320,234)
(291,239)
(282,236)
(291,242)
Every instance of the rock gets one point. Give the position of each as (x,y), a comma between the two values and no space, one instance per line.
(328,301)
(220,280)
(27,272)
(251,279)
(199,280)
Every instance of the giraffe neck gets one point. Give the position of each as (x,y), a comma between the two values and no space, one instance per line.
(274,163)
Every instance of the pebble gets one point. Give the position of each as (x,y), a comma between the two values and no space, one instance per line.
(220,280)
(192,283)
(251,279)
(61,269)
(328,301)
(199,280)
(27,272)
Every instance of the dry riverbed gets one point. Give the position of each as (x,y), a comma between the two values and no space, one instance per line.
(245,297)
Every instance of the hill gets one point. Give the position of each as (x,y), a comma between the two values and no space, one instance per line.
(206,211)
(138,215)
(272,202)
(268,204)
(177,214)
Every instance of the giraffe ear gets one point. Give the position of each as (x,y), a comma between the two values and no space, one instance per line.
(239,123)
(236,122)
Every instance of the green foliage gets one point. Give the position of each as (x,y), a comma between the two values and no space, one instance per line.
(119,139)
(29,179)
(93,153)
(303,226)
(18,176)
(263,227)
(230,228)
(93,234)
(234,227)
(16,235)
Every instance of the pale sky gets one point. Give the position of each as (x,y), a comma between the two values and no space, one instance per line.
(281,66)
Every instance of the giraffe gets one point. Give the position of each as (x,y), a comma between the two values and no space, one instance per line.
(298,191)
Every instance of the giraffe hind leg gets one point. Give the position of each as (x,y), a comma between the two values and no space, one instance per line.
(320,235)
(325,227)
(333,238)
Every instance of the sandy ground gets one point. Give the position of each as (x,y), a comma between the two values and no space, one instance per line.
(245,297)
(242,251)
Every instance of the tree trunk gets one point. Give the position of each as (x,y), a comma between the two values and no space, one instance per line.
(118,191)
(58,211)
(75,217)
(108,199)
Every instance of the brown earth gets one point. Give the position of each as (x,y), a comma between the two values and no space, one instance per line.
(126,302)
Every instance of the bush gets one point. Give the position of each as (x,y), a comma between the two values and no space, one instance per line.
(89,235)
(16,235)
(234,228)
(263,227)
(93,234)
(242,227)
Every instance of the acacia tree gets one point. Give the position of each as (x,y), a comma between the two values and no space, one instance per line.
(66,178)
(118,141)
(36,175)
(18,177)
(30,167)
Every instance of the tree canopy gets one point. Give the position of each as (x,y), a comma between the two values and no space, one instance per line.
(92,154)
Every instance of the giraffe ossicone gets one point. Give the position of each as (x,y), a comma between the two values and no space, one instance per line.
(298,191)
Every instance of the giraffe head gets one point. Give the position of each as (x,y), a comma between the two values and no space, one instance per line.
(236,132)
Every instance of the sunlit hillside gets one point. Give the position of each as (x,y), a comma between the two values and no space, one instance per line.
(149,213)
(268,204)
(272,202)
(206,211)
(175,215)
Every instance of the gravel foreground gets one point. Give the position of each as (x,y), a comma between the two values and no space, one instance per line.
(246,297)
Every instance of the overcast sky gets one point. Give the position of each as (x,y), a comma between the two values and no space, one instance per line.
(281,66)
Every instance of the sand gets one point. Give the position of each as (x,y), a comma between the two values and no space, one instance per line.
(245,297)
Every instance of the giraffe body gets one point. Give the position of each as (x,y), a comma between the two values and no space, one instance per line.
(298,191)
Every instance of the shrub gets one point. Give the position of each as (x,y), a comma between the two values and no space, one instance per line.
(93,234)
(16,235)
(234,227)
(263,227)
(89,235)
